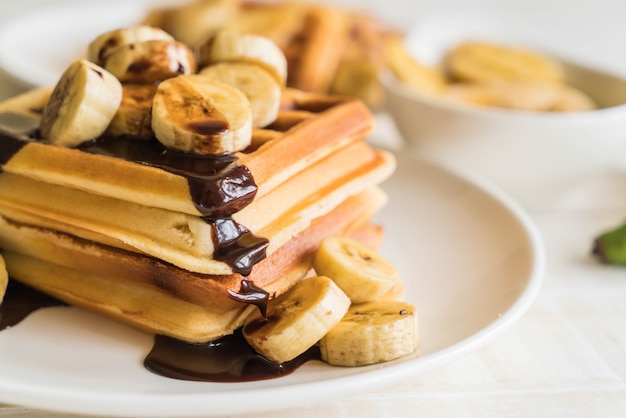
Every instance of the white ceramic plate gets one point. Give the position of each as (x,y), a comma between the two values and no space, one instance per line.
(471,261)
(36,47)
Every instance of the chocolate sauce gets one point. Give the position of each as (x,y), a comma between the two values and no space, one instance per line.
(20,301)
(217,184)
(209,126)
(250,293)
(228,359)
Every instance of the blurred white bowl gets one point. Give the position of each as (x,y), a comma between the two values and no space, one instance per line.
(532,155)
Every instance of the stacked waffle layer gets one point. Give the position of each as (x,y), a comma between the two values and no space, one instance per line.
(175,247)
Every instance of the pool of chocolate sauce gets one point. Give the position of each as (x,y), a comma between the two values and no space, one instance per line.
(219,187)
(228,359)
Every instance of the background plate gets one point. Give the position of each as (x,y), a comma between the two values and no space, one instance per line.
(470,259)
(36,48)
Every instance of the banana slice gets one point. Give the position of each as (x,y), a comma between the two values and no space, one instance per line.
(261,89)
(82,104)
(297,320)
(372,333)
(4,279)
(100,48)
(232,46)
(363,274)
(408,70)
(150,61)
(133,116)
(195,114)
(570,99)
(531,96)
(195,21)
(481,61)
(521,95)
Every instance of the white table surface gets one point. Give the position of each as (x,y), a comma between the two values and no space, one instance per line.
(567,356)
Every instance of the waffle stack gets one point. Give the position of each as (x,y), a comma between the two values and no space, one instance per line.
(129,238)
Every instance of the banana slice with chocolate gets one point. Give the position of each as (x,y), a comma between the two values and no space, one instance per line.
(105,44)
(195,114)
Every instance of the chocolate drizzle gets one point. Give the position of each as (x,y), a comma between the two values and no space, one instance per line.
(251,293)
(20,301)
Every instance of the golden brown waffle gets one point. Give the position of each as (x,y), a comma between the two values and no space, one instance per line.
(310,127)
(103,231)
(158,297)
(305,164)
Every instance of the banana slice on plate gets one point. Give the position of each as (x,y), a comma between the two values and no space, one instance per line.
(297,320)
(362,273)
(372,333)
(150,61)
(195,114)
(134,115)
(261,89)
(4,279)
(100,48)
(232,46)
(81,105)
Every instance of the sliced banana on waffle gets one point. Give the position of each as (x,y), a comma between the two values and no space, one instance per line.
(4,279)
(482,61)
(100,48)
(150,61)
(82,104)
(134,115)
(195,114)
(261,89)
(232,46)
(297,320)
(372,333)
(362,273)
